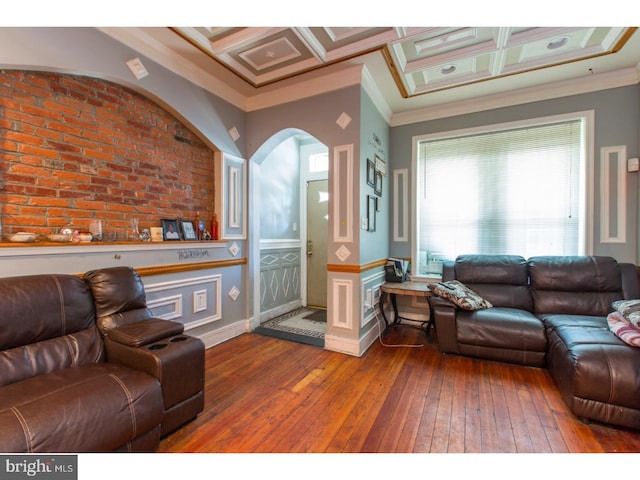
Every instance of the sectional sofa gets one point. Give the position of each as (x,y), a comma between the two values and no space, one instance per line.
(550,311)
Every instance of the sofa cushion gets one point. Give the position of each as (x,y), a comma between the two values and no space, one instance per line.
(47,322)
(502,280)
(592,366)
(623,329)
(38,358)
(576,285)
(98,407)
(500,327)
(119,297)
(34,308)
(459,294)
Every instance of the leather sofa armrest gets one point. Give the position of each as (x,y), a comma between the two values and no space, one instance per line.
(143,333)
(444,316)
(630,281)
(440,302)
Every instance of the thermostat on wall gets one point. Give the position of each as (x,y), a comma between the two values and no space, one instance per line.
(633,165)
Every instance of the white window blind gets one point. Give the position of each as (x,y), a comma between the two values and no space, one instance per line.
(517,191)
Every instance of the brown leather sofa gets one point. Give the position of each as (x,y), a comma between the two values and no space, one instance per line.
(550,311)
(61,390)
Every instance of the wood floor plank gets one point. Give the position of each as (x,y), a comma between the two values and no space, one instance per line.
(270,395)
(351,436)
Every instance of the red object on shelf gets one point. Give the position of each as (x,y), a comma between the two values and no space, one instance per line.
(214,227)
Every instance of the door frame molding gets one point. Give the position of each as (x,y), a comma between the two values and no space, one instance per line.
(306,176)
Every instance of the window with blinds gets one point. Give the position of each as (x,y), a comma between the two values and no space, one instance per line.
(512,191)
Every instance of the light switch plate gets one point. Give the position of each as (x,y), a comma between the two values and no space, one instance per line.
(633,165)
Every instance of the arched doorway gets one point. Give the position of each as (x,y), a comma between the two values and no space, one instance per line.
(281,171)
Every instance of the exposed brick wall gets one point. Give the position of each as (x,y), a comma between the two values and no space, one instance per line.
(75,148)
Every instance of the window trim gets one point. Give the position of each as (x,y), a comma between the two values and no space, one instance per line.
(588,117)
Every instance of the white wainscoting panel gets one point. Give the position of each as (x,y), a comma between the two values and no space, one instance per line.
(342,190)
(342,308)
(401,205)
(613,194)
(165,300)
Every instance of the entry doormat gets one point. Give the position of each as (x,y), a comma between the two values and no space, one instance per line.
(303,325)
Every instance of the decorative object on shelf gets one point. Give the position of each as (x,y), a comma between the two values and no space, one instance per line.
(95,228)
(170,230)
(188,232)
(156,234)
(196,225)
(59,237)
(135,232)
(214,227)
(145,235)
(23,237)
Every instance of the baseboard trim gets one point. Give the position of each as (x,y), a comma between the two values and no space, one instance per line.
(225,333)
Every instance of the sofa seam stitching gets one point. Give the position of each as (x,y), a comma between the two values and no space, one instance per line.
(129,402)
(25,428)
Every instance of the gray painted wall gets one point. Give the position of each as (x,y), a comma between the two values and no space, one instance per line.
(617,122)
(280,192)
(374,140)
(317,116)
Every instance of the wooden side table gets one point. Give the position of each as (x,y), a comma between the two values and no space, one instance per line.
(413,289)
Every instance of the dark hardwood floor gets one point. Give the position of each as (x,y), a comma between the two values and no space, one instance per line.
(269,395)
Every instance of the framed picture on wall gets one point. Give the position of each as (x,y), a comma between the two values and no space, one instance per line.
(188,231)
(371,173)
(371,212)
(170,230)
(381,166)
(377,188)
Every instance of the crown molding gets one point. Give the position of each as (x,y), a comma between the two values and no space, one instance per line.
(548,91)
(370,86)
(144,41)
(291,91)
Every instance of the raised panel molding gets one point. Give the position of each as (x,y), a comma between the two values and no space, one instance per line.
(370,284)
(231,198)
(342,191)
(342,304)
(613,194)
(166,308)
(401,205)
(168,305)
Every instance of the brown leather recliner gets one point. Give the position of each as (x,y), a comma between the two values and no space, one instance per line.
(157,346)
(58,392)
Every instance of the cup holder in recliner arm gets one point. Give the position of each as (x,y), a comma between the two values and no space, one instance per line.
(178,339)
(158,346)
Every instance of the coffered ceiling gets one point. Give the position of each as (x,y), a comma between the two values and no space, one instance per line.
(420,59)
(409,69)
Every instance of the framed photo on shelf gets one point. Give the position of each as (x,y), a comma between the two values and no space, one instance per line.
(377,188)
(170,230)
(371,173)
(188,232)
